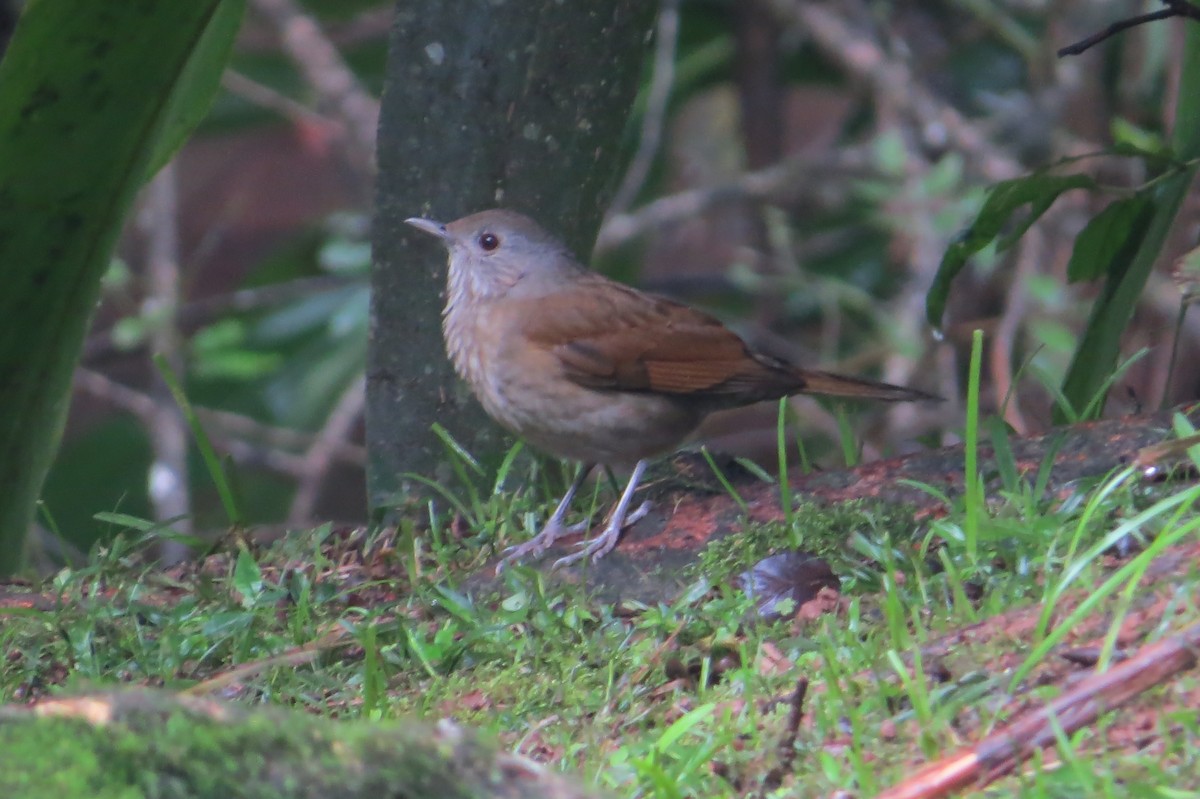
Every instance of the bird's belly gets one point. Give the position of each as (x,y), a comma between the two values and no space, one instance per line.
(574,422)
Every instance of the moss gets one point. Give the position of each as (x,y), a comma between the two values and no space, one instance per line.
(822,530)
(145,744)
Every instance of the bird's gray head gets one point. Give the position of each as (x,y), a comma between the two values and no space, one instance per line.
(498,253)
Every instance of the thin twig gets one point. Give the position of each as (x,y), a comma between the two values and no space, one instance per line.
(264,96)
(797,171)
(892,78)
(201,311)
(1097,694)
(365,27)
(994,16)
(1030,254)
(319,457)
(271,444)
(657,97)
(169,486)
(334,636)
(277,437)
(338,90)
(1175,8)
(146,409)
(786,751)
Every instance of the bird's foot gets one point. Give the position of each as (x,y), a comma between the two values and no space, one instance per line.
(551,532)
(601,545)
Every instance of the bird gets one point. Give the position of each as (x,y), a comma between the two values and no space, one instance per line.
(588,369)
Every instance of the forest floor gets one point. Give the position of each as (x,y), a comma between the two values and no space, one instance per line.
(1035,634)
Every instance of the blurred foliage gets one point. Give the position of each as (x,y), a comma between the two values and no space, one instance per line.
(285,365)
(289,363)
(1121,243)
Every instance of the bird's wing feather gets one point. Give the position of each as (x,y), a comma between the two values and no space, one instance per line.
(611,337)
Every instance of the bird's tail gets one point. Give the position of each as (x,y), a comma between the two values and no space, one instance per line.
(841,386)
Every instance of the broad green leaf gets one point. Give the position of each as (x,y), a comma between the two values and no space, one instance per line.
(85,91)
(1037,191)
(1109,239)
(198,82)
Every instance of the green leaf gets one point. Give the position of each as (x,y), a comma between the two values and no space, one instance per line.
(198,83)
(125,520)
(1110,239)
(247,577)
(1038,191)
(682,725)
(86,92)
(203,442)
(1130,139)
(1006,464)
(1101,342)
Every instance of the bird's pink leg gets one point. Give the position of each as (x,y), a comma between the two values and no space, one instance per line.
(553,529)
(601,545)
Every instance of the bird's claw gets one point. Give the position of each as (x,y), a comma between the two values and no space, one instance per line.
(539,543)
(601,545)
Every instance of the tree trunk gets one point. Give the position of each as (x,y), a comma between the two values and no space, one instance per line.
(485,106)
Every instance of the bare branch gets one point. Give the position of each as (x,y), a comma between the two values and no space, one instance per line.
(339,93)
(784,178)
(653,119)
(1083,703)
(264,96)
(1175,8)
(266,445)
(169,486)
(201,311)
(891,78)
(318,459)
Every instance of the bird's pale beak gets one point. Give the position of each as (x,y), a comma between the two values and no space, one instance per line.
(429,226)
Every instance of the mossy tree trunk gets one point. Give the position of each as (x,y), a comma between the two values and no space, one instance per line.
(146,743)
(487,104)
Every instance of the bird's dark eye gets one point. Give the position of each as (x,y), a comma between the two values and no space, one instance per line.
(489,241)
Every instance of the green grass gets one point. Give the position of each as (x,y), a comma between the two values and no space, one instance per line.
(643,700)
(688,698)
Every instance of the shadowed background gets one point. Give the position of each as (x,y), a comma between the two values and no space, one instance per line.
(797,168)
